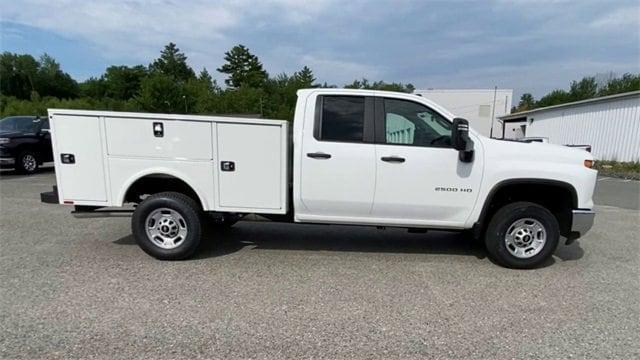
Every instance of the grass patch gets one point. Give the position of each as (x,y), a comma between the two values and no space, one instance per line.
(625,170)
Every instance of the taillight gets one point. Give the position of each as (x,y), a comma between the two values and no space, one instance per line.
(588,163)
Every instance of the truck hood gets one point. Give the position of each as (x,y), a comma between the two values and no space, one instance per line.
(535,151)
(10,133)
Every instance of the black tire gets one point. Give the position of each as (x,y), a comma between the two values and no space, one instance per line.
(500,224)
(27,162)
(186,207)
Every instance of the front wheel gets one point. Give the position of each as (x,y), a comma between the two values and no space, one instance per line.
(522,235)
(167,226)
(27,163)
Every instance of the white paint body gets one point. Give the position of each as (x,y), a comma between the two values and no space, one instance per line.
(474,105)
(113,150)
(352,187)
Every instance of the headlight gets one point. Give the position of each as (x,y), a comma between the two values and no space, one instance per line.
(4,140)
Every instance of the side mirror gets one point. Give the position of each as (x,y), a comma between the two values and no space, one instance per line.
(461,141)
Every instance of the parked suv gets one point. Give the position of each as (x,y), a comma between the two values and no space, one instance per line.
(25,143)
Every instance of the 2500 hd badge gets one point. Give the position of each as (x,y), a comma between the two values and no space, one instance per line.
(453,189)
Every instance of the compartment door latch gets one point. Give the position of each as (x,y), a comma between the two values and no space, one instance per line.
(227,166)
(68,158)
(158,129)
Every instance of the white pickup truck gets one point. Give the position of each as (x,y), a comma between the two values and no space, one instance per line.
(356,157)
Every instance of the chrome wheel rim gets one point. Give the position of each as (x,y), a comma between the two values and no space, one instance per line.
(525,238)
(29,162)
(166,228)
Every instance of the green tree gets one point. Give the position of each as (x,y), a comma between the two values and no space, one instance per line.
(586,88)
(172,63)
(359,84)
(555,97)
(93,88)
(243,68)
(202,94)
(625,83)
(380,85)
(161,93)
(280,92)
(123,82)
(242,100)
(52,81)
(305,78)
(527,102)
(211,84)
(18,75)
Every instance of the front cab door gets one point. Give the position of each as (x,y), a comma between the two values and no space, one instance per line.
(420,180)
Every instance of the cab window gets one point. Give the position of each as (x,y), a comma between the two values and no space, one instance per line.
(409,123)
(20,123)
(341,118)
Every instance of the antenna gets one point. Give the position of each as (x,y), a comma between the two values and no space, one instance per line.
(493,110)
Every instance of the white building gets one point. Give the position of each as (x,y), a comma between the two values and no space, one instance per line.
(481,107)
(610,124)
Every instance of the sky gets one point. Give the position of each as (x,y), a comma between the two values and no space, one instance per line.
(528,46)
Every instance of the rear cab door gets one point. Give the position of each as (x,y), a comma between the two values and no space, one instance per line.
(335,161)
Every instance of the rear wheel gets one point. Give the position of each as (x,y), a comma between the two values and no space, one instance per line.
(167,226)
(522,235)
(26,162)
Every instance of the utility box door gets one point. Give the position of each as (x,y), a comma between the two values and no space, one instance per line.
(160,139)
(81,179)
(251,167)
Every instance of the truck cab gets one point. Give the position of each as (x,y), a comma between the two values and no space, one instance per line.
(357,157)
(375,158)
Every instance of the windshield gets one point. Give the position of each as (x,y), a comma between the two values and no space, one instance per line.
(20,123)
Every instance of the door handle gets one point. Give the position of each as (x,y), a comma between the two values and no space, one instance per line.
(392,159)
(319,155)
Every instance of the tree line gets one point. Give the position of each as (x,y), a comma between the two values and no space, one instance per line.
(167,85)
(587,88)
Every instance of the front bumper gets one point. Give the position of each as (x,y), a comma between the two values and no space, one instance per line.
(582,221)
(7,161)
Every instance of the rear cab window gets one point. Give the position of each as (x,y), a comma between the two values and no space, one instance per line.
(344,118)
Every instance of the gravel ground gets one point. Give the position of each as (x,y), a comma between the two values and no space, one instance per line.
(72,288)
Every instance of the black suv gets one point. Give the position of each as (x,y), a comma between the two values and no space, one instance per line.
(25,143)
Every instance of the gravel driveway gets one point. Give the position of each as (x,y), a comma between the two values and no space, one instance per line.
(81,288)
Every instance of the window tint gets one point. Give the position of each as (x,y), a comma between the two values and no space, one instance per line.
(410,123)
(45,124)
(20,123)
(342,118)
